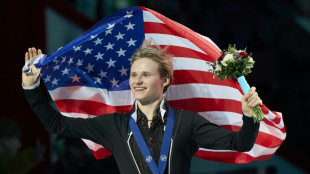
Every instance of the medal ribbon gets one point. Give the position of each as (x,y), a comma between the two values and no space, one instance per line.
(164,147)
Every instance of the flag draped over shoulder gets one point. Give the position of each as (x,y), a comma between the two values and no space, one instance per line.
(89,77)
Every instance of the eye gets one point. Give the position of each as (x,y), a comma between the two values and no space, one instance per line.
(146,75)
(133,75)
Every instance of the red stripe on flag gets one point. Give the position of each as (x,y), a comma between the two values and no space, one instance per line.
(276,120)
(207,104)
(192,36)
(194,76)
(160,28)
(265,110)
(266,121)
(263,139)
(101,153)
(89,107)
(177,51)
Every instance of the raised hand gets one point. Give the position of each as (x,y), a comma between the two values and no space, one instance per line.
(250,100)
(33,77)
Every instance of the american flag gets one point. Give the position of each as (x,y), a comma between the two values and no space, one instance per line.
(89,77)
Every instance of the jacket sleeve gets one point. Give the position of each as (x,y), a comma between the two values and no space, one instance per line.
(211,136)
(97,129)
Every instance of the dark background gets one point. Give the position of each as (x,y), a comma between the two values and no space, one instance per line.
(277,32)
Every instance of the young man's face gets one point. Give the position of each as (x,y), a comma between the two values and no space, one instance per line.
(145,81)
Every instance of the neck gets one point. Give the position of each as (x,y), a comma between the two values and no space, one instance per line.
(149,108)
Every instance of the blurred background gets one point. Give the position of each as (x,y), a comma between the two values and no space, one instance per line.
(276,31)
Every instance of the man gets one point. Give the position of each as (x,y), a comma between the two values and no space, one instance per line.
(154,138)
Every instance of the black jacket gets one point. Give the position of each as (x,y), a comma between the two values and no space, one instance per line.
(112,131)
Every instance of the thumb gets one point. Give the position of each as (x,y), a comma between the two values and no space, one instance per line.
(34,69)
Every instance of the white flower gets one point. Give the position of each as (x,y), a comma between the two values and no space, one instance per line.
(227,58)
(250,63)
(218,67)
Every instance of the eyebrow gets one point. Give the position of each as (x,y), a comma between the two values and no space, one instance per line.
(141,72)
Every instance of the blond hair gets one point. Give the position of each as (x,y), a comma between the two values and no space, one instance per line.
(149,49)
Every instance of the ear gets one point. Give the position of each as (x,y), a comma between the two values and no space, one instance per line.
(166,81)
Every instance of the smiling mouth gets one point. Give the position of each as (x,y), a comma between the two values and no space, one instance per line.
(139,88)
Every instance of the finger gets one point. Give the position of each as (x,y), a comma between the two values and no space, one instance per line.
(30,53)
(253,89)
(256,103)
(34,51)
(39,51)
(255,94)
(253,102)
(247,96)
(26,57)
(34,69)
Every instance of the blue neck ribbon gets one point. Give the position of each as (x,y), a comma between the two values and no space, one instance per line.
(164,147)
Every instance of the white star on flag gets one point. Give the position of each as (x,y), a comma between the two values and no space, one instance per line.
(119,36)
(70,60)
(65,71)
(131,42)
(88,51)
(55,82)
(63,60)
(78,48)
(109,46)
(123,71)
(98,41)
(111,63)
(56,61)
(89,67)
(110,25)
(47,79)
(109,31)
(114,82)
(99,56)
(56,67)
(79,63)
(97,80)
(121,52)
(130,26)
(129,14)
(102,74)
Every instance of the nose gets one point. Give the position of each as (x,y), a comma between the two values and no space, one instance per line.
(139,80)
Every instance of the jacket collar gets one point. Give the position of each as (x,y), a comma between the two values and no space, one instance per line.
(163,109)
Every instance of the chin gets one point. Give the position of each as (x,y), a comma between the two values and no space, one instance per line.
(139,97)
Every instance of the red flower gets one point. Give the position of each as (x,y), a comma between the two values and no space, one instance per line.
(221,58)
(243,54)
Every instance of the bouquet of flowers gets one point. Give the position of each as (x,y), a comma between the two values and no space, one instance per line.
(235,63)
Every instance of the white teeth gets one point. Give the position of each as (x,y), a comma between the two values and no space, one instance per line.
(139,88)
